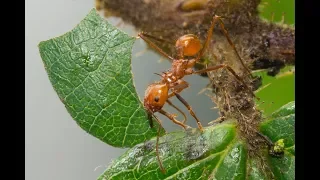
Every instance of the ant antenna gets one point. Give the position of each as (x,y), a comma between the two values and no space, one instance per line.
(158,74)
(266,138)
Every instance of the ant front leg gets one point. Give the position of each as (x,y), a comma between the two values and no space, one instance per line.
(171,117)
(154,46)
(157,145)
(230,70)
(184,116)
(157,38)
(150,119)
(178,86)
(217,19)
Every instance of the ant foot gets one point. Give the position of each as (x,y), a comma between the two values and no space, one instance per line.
(187,127)
(216,121)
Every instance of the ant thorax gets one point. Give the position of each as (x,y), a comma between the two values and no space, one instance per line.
(179,69)
(168,78)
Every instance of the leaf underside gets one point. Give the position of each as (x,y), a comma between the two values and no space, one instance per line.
(218,153)
(90,69)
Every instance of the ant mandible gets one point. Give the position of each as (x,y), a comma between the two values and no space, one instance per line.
(158,93)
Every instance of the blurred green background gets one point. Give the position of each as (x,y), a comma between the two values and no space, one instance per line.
(278,7)
(276,91)
(279,90)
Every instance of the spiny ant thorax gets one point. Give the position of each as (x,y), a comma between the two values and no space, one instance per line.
(179,68)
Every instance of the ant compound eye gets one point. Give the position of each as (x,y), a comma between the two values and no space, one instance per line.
(156,99)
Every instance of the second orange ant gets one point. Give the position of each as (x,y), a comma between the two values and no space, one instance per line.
(172,83)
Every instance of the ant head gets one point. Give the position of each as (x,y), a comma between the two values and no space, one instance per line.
(155,97)
(188,45)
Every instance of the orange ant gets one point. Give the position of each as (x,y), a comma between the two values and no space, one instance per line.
(157,94)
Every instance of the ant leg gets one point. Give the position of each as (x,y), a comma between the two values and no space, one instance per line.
(269,142)
(171,104)
(225,32)
(157,151)
(157,146)
(143,36)
(178,87)
(150,119)
(216,121)
(171,117)
(157,39)
(184,102)
(230,70)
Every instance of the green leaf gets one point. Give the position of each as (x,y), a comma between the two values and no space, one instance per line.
(281,126)
(283,168)
(185,155)
(275,91)
(218,153)
(254,172)
(285,110)
(90,69)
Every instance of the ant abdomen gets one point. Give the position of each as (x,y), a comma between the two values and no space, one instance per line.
(188,45)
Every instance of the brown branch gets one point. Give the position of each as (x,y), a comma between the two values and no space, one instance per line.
(169,19)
